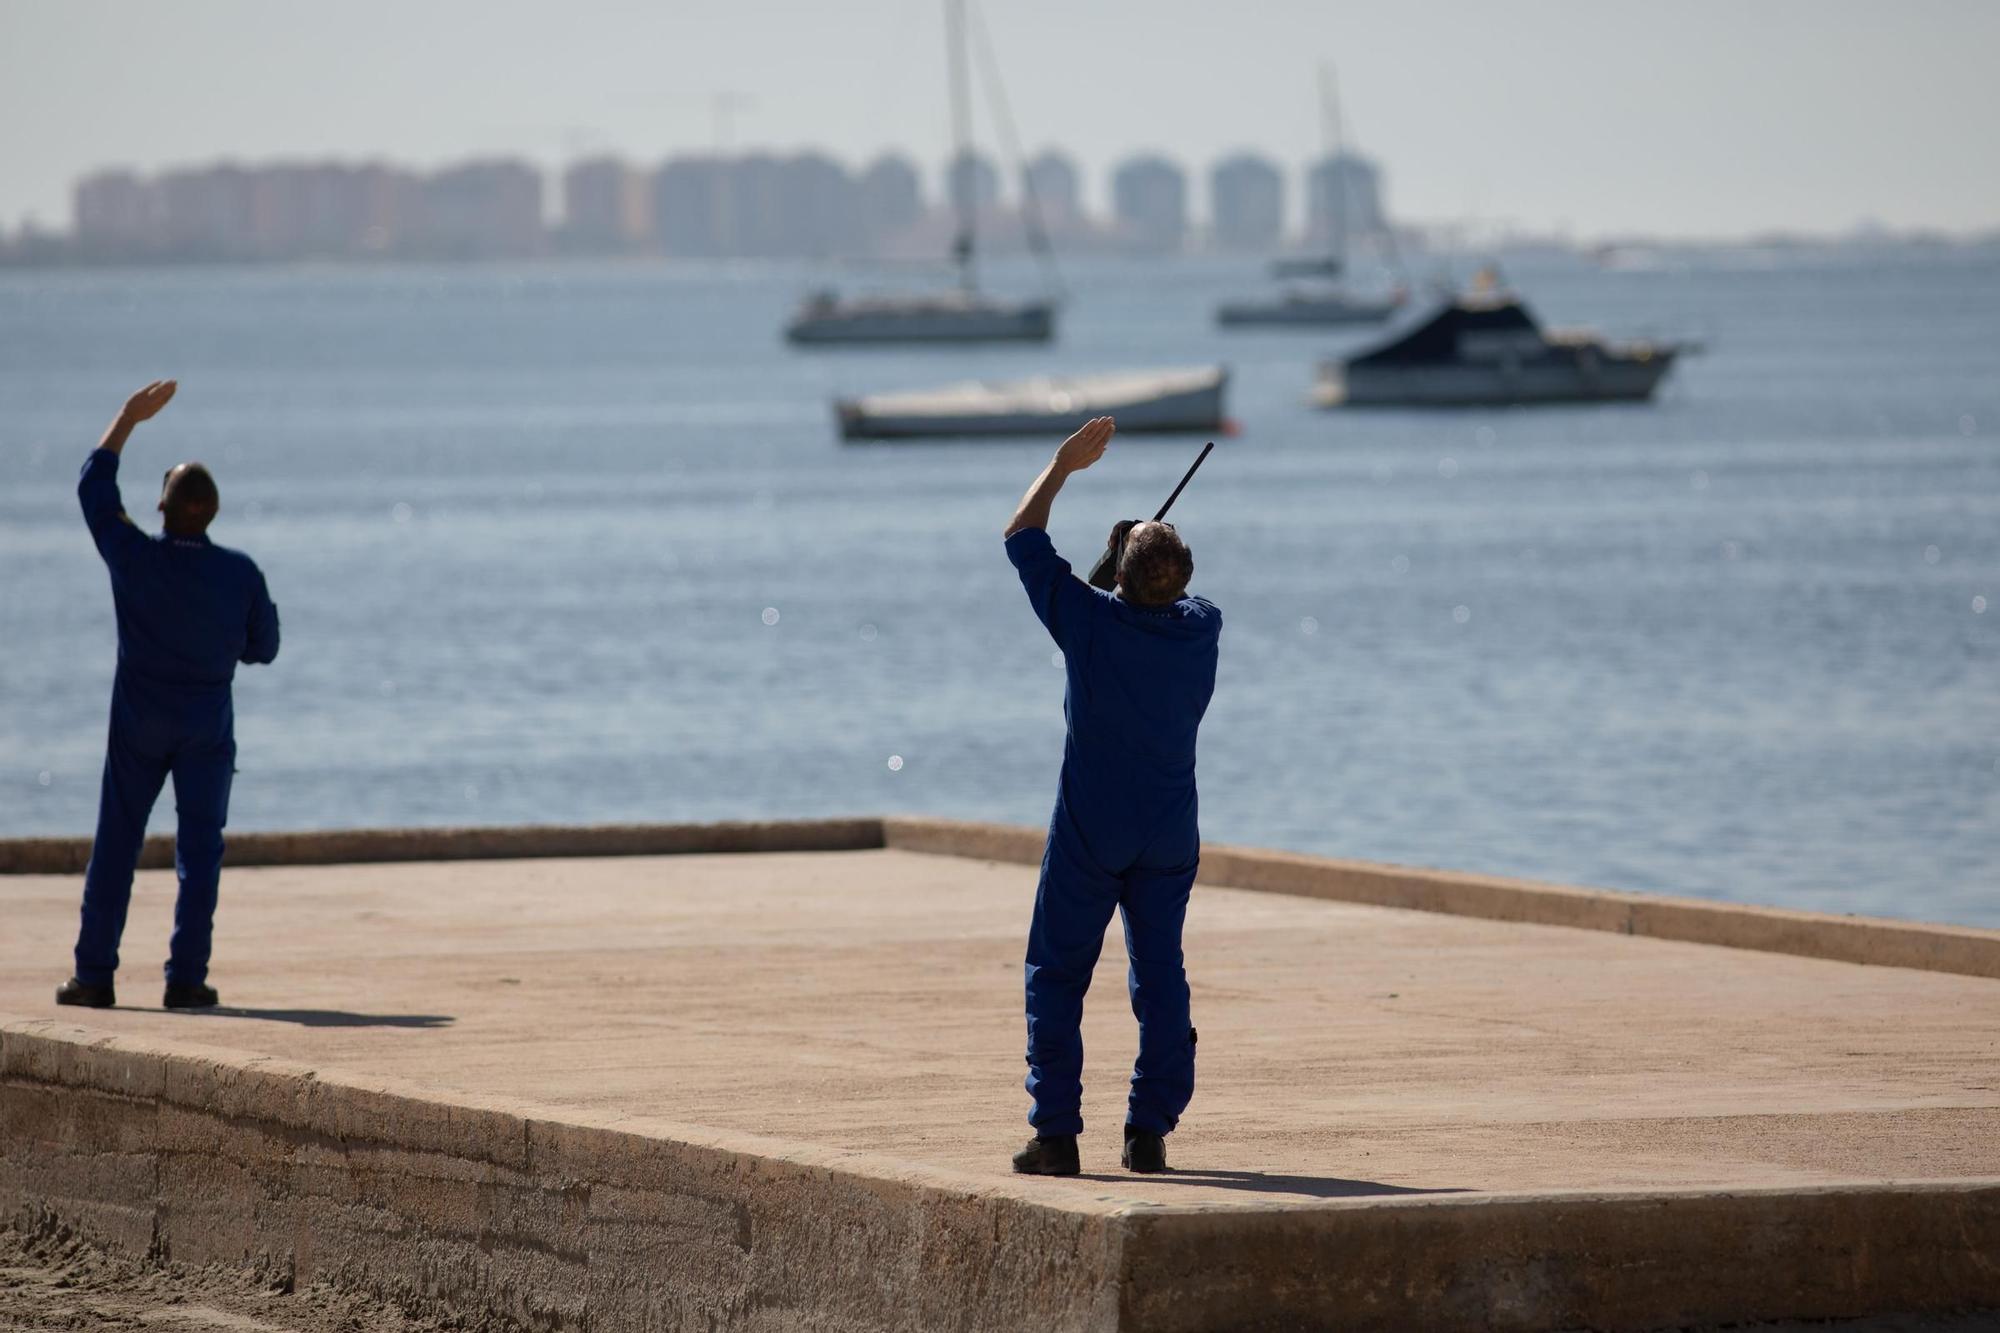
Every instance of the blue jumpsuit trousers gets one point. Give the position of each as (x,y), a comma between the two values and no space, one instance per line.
(142,751)
(1148,886)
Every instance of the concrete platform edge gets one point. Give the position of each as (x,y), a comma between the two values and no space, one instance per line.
(479,1207)
(1604,1262)
(548,1220)
(1849,939)
(1876,941)
(69,856)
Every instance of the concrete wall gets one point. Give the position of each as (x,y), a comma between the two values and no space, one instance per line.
(1604,1262)
(507,1212)
(486,1209)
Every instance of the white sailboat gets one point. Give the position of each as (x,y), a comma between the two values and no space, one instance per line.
(1327,302)
(964,315)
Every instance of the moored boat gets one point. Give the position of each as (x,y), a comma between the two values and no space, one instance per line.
(965,315)
(1328,303)
(1489,351)
(1142,400)
(942,317)
(1314,309)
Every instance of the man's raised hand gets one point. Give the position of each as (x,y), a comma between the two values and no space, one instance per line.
(142,405)
(1085,447)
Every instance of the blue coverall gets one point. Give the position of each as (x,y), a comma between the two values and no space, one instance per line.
(1123,835)
(188,612)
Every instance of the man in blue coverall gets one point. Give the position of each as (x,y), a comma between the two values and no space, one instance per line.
(1140,663)
(188,612)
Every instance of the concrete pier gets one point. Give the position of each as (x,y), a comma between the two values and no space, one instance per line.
(772,1089)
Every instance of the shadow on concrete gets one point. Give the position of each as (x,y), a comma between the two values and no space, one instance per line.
(1261,1182)
(326,1018)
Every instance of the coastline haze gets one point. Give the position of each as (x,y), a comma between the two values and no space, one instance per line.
(1588,120)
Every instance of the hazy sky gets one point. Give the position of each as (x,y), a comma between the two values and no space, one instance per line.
(1690,117)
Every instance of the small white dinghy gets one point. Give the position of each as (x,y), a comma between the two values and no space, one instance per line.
(1142,400)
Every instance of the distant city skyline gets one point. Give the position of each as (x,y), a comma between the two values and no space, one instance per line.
(1591,119)
(747,204)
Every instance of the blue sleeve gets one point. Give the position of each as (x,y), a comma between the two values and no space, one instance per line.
(104,512)
(1063,602)
(261,644)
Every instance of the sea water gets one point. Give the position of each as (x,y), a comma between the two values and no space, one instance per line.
(578,542)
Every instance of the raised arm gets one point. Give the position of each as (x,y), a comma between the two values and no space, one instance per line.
(141,406)
(1061,601)
(97,488)
(1075,454)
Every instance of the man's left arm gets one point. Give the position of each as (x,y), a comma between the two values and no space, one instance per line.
(260,645)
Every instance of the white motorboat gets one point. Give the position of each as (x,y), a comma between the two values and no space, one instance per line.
(943,317)
(961,316)
(1488,351)
(1303,307)
(1142,400)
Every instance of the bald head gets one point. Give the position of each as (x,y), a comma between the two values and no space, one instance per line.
(1155,566)
(189,500)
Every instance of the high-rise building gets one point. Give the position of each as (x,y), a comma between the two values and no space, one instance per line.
(284,210)
(971,184)
(482,210)
(889,198)
(1053,180)
(1246,202)
(117,213)
(819,208)
(759,205)
(606,207)
(331,210)
(689,210)
(754,201)
(1149,200)
(1343,185)
(205,213)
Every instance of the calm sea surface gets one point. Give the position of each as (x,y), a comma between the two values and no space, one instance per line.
(578,543)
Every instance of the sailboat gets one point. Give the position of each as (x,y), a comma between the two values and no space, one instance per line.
(1331,303)
(962,315)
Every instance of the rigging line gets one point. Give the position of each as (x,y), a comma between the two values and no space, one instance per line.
(1334,146)
(960,179)
(1393,261)
(1031,204)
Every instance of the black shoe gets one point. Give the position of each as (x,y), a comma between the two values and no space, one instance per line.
(1051,1155)
(196,996)
(1144,1152)
(90,997)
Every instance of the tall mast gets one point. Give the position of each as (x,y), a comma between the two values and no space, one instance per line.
(1334,154)
(960,177)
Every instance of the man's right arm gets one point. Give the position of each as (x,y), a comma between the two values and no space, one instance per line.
(1061,600)
(97,488)
(103,512)
(1075,454)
